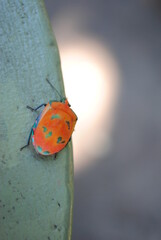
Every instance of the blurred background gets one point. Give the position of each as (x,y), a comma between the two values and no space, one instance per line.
(111,61)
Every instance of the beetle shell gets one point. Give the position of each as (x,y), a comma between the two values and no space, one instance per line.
(53,128)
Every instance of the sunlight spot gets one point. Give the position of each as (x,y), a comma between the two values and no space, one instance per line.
(92,82)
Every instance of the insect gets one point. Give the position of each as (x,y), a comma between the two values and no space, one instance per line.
(53,127)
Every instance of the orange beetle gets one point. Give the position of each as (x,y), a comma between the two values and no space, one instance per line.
(53,128)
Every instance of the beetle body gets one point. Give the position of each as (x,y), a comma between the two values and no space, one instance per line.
(53,128)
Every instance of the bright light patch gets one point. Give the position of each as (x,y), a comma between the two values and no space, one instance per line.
(91,78)
(91,84)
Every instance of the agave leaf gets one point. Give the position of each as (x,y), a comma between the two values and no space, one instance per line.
(36,192)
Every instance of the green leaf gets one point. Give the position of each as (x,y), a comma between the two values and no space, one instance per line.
(36,192)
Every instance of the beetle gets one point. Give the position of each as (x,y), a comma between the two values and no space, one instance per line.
(53,127)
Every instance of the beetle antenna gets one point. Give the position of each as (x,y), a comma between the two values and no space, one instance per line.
(53,88)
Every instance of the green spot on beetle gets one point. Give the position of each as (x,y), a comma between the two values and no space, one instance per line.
(48,135)
(59,139)
(46,152)
(55,116)
(39,148)
(68,124)
(44,129)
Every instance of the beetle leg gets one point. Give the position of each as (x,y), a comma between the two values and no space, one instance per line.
(35,109)
(55,156)
(28,142)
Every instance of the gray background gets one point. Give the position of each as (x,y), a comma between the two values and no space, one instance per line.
(119,197)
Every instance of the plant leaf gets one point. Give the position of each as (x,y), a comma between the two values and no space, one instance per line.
(36,192)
